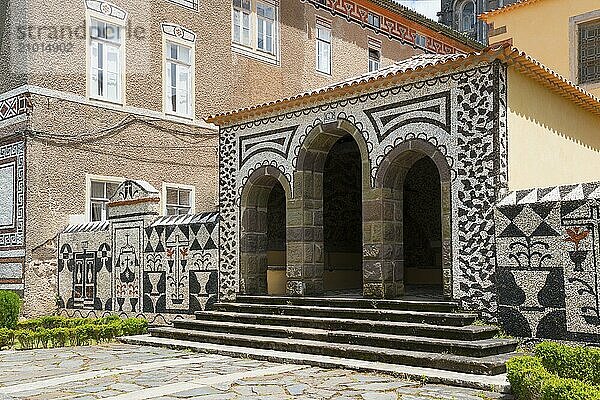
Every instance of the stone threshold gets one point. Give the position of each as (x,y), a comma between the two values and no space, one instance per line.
(496,383)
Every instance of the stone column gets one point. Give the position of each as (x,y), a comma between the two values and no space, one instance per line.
(305,235)
(383,264)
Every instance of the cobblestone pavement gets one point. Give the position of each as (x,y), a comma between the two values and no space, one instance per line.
(119,371)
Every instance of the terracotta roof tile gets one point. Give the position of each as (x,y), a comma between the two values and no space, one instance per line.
(508,7)
(415,68)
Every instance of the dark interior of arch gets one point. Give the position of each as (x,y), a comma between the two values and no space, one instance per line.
(342,216)
(276,219)
(422,224)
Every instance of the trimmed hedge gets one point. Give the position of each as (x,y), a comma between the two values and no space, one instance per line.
(10,306)
(534,378)
(581,363)
(54,331)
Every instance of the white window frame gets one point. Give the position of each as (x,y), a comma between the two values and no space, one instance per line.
(251,49)
(163,196)
(326,25)
(374,45)
(94,15)
(574,23)
(88,191)
(167,109)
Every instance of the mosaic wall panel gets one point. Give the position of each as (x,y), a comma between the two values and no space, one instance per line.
(12,214)
(456,113)
(14,106)
(547,272)
(353,11)
(159,267)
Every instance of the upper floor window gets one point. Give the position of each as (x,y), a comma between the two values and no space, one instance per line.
(106,46)
(374,55)
(178,83)
(255,28)
(589,52)
(323,37)
(100,190)
(467,16)
(374,20)
(420,40)
(178,199)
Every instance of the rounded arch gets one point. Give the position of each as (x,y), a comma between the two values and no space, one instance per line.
(467,14)
(264,198)
(397,162)
(322,137)
(390,177)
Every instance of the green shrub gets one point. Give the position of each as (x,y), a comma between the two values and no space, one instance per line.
(25,338)
(10,306)
(582,363)
(529,380)
(60,336)
(7,337)
(134,326)
(52,321)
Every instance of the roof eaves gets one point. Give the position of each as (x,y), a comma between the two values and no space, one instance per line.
(505,53)
(509,7)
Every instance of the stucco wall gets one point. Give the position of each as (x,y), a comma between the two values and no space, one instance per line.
(224,79)
(548,39)
(552,141)
(56,173)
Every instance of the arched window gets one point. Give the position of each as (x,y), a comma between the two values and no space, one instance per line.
(467,16)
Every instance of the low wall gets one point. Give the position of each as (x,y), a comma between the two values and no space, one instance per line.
(547,273)
(139,264)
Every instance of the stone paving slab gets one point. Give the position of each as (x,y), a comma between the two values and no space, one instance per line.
(120,371)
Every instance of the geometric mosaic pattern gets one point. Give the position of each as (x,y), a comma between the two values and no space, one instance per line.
(458,114)
(547,271)
(160,267)
(14,106)
(12,164)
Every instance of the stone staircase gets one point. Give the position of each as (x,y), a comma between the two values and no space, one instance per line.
(429,334)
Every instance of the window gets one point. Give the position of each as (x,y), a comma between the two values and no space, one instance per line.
(255,28)
(105,61)
(374,20)
(323,37)
(374,58)
(420,40)
(99,194)
(178,199)
(179,80)
(589,52)
(241,21)
(467,16)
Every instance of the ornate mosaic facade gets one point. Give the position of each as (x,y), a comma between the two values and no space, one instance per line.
(547,273)
(458,120)
(138,263)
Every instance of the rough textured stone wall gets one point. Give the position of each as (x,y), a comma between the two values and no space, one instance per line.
(137,263)
(547,271)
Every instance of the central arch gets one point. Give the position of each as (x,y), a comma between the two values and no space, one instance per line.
(307,250)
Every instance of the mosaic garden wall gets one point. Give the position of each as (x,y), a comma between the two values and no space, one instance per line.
(12,214)
(138,263)
(458,120)
(548,252)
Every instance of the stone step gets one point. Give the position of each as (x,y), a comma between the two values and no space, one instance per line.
(495,383)
(466,333)
(424,317)
(490,365)
(480,348)
(342,302)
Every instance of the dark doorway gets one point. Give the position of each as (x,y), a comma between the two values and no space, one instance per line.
(342,217)
(422,227)
(276,241)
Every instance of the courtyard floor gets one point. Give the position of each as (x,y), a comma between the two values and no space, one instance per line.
(120,371)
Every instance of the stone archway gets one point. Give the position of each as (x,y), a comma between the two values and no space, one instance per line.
(385,221)
(263,228)
(306,256)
